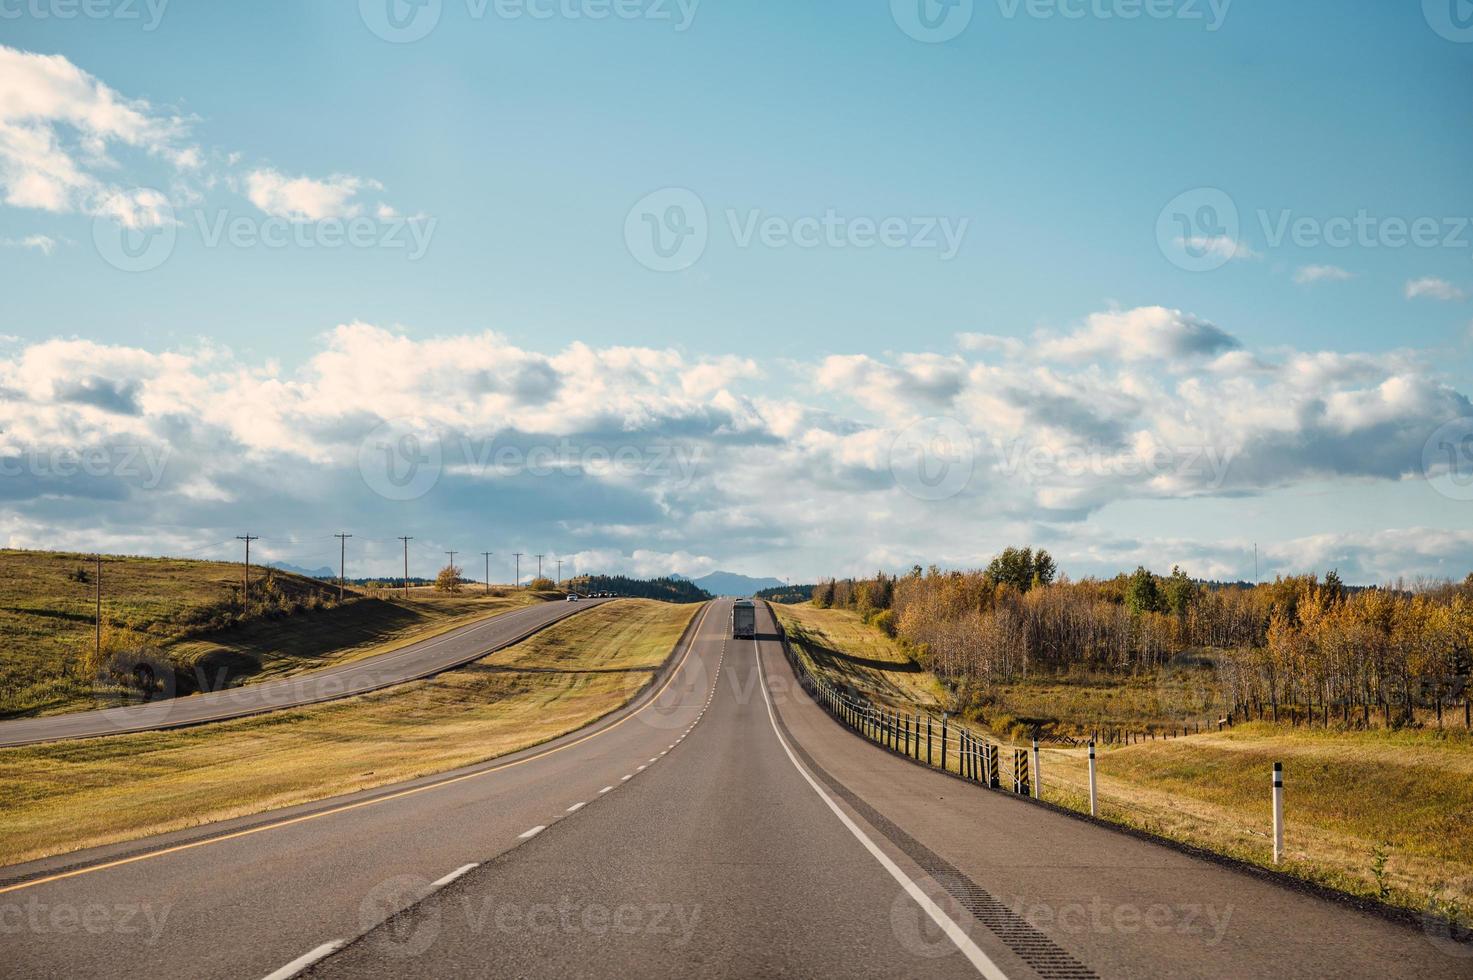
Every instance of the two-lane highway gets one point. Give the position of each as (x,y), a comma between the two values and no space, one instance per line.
(435,655)
(722,826)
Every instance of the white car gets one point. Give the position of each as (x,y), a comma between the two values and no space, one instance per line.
(572,597)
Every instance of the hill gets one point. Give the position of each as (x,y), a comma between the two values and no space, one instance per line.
(733,584)
(788,594)
(671,589)
(189,614)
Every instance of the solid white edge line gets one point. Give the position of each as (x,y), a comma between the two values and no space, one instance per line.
(527,834)
(979,960)
(630,776)
(606,789)
(458,872)
(575,807)
(307,959)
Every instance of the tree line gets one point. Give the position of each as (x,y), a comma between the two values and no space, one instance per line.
(1301,648)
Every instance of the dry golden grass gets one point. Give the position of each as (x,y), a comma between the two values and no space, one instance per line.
(71,795)
(189,612)
(1384,814)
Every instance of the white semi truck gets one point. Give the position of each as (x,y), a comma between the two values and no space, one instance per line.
(743,619)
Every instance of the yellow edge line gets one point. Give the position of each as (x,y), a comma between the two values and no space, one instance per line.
(376,800)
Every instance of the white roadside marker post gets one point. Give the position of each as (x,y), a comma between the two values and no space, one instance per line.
(1037,772)
(1278,812)
(1094,796)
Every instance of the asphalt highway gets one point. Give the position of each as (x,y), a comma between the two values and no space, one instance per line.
(423,659)
(722,826)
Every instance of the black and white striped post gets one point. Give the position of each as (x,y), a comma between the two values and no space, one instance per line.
(943,741)
(1037,772)
(1278,812)
(1094,796)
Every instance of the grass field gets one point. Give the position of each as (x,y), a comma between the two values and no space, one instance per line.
(189,612)
(1383,814)
(64,796)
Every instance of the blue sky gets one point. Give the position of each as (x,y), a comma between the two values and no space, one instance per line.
(1058,151)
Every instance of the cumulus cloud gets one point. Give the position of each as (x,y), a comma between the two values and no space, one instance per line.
(1219,246)
(1431,287)
(60,129)
(651,460)
(308,199)
(69,143)
(44,244)
(1311,274)
(1146,333)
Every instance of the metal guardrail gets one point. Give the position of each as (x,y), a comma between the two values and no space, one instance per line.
(918,736)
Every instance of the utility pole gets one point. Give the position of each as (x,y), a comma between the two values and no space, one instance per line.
(98,586)
(539,566)
(452,555)
(406,565)
(245,595)
(488,555)
(342,562)
(518,555)
(1255,563)
(559,572)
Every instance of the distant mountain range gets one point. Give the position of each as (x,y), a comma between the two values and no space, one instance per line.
(732,584)
(286,566)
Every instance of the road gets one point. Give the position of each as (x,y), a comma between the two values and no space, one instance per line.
(724,827)
(447,651)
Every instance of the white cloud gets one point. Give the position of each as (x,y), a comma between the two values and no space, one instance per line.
(308,199)
(1220,246)
(1310,274)
(60,128)
(71,144)
(804,469)
(44,244)
(1147,333)
(1432,287)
